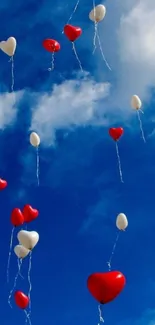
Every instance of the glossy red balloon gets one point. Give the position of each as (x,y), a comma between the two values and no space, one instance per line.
(3,184)
(21,300)
(51,45)
(29,213)
(105,287)
(17,218)
(72,32)
(116,133)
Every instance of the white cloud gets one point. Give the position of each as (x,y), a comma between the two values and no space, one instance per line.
(127,37)
(71,103)
(8,109)
(136,43)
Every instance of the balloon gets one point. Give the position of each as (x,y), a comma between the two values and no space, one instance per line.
(3,184)
(28,239)
(17,218)
(29,213)
(9,46)
(51,45)
(121,221)
(136,102)
(72,32)
(116,133)
(21,251)
(21,300)
(34,139)
(105,287)
(97,14)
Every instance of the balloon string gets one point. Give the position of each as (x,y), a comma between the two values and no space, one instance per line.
(119,164)
(29,280)
(52,63)
(75,8)
(37,173)
(141,127)
(12,73)
(113,251)
(101,50)
(100,315)
(74,49)
(27,317)
(19,261)
(95,27)
(95,36)
(15,282)
(9,256)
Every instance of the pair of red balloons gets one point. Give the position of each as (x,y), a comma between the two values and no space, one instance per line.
(28,214)
(105,287)
(72,33)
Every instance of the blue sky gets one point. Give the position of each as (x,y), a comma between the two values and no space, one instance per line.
(80,192)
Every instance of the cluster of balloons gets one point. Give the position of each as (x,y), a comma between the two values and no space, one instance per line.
(27,240)
(96,15)
(106,286)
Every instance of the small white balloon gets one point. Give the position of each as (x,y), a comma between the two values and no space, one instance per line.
(136,102)
(9,46)
(28,239)
(21,251)
(34,139)
(121,221)
(97,14)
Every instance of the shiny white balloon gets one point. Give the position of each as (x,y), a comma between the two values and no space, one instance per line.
(121,221)
(21,251)
(136,102)
(9,46)
(28,239)
(34,139)
(97,14)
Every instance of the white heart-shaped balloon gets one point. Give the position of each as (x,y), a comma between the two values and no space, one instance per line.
(21,251)
(28,239)
(97,14)
(9,46)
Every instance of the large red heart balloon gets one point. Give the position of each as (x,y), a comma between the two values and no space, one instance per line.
(116,133)
(105,287)
(17,218)
(72,32)
(51,45)
(21,299)
(3,184)
(29,213)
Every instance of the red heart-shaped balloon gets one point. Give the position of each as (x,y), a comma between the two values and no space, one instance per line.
(51,45)
(21,299)
(105,287)
(17,218)
(72,32)
(116,133)
(3,184)
(29,213)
